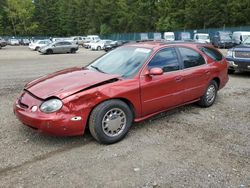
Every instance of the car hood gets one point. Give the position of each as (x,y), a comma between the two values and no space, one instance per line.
(64,83)
(242,48)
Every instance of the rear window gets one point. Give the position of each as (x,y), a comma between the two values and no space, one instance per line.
(212,53)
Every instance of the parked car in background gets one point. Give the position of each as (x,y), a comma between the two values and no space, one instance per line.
(127,85)
(3,42)
(24,42)
(14,42)
(90,39)
(79,40)
(239,36)
(100,44)
(169,36)
(222,39)
(184,36)
(201,38)
(113,45)
(59,48)
(239,57)
(89,44)
(38,44)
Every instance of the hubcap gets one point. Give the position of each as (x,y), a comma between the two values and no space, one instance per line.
(210,95)
(114,122)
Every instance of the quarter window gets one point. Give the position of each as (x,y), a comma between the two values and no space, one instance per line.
(191,58)
(165,59)
(213,54)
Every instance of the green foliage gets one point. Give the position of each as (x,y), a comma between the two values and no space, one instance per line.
(81,17)
(20,14)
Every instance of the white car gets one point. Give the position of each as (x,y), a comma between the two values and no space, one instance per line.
(202,37)
(100,44)
(38,44)
(169,36)
(239,36)
(14,42)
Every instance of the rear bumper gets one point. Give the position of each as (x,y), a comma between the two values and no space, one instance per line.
(239,64)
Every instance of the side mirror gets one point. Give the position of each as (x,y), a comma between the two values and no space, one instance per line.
(155,71)
(54,45)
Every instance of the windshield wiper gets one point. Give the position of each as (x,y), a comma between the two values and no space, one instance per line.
(96,68)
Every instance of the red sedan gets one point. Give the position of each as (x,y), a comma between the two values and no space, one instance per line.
(127,85)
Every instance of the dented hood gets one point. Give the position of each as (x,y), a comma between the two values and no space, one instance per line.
(66,82)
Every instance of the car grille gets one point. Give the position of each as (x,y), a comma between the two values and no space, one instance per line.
(242,65)
(242,54)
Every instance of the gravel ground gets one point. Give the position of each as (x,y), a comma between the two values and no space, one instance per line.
(186,147)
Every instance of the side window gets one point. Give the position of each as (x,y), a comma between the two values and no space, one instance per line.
(212,53)
(165,59)
(191,58)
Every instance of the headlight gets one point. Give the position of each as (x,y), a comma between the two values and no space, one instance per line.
(51,105)
(229,53)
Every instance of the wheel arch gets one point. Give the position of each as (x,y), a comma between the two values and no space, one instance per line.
(217,80)
(125,100)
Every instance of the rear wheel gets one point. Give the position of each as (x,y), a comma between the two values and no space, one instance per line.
(210,95)
(37,48)
(98,48)
(110,121)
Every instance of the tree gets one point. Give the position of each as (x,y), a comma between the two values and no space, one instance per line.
(20,14)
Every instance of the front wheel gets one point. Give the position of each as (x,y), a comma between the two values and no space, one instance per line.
(73,50)
(210,95)
(110,121)
(49,51)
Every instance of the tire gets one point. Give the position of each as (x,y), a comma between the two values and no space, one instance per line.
(73,50)
(231,71)
(49,51)
(210,95)
(110,121)
(98,48)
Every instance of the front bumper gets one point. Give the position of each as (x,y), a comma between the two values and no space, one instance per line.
(239,64)
(61,123)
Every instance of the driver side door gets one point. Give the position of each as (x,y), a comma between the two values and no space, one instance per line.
(160,92)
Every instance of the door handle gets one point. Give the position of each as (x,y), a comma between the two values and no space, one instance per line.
(178,78)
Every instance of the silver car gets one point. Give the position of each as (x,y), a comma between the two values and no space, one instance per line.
(59,48)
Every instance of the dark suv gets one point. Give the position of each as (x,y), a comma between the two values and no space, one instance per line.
(222,39)
(239,57)
(3,43)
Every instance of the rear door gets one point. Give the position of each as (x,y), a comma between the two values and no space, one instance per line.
(196,73)
(164,91)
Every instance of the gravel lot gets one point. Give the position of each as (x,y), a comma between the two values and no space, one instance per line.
(186,147)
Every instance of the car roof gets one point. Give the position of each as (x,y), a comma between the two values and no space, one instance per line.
(241,32)
(159,44)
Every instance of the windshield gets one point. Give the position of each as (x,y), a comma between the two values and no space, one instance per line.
(225,36)
(247,41)
(204,37)
(244,37)
(125,61)
(169,36)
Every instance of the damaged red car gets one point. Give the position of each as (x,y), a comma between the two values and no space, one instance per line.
(126,85)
